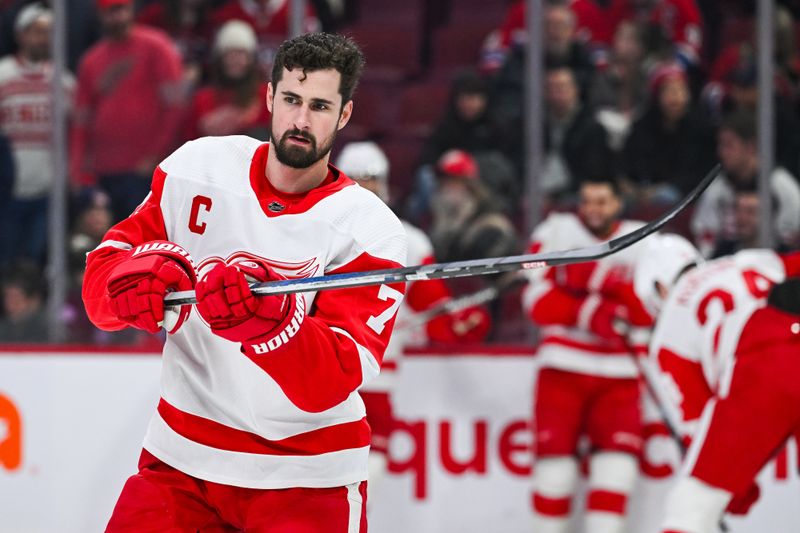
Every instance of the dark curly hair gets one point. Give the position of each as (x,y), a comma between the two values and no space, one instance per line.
(320,51)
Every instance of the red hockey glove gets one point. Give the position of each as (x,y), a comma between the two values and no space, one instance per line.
(741,503)
(608,319)
(137,286)
(468,325)
(225,301)
(380,418)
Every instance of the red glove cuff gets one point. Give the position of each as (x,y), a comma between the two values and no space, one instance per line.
(137,285)
(225,301)
(169,249)
(280,334)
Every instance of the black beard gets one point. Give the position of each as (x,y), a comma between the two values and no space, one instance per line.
(297,157)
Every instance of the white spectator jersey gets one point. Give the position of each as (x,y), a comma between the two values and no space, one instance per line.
(26,118)
(290,417)
(686,339)
(568,343)
(406,333)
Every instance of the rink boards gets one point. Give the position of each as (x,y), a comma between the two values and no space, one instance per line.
(71,424)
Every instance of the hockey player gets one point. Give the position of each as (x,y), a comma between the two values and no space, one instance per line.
(688,347)
(588,381)
(368,165)
(754,411)
(259,427)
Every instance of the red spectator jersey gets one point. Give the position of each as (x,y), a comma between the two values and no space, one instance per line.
(269,19)
(595,25)
(125,90)
(682,25)
(562,299)
(214,113)
(686,340)
(289,417)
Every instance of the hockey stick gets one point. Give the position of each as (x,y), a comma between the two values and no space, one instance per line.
(454,305)
(672,426)
(476,267)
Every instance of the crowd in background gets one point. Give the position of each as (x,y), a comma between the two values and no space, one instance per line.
(649,92)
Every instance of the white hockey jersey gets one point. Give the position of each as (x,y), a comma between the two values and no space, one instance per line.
(686,340)
(561,299)
(290,417)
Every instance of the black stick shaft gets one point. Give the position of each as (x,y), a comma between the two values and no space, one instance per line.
(476,267)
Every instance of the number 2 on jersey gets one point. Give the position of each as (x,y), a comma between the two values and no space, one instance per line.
(378,323)
(757,284)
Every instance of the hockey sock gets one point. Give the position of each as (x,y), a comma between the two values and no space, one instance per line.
(694,507)
(611,479)
(554,485)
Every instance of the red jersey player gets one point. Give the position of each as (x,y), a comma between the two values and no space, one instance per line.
(260,426)
(696,344)
(588,381)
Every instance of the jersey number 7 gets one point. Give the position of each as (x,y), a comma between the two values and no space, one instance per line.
(378,323)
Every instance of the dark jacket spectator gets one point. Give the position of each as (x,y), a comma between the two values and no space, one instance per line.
(6,171)
(576,145)
(739,92)
(24,318)
(467,124)
(561,49)
(618,91)
(672,144)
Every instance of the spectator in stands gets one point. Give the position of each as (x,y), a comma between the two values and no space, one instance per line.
(91,225)
(596,22)
(188,23)
(746,225)
(680,24)
(737,151)
(500,41)
(576,145)
(128,107)
(618,91)
(467,222)
(561,47)
(467,124)
(7,173)
(234,101)
(24,317)
(741,55)
(740,92)
(269,18)
(92,222)
(26,120)
(671,147)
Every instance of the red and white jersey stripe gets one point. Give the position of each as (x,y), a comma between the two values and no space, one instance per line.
(290,417)
(561,299)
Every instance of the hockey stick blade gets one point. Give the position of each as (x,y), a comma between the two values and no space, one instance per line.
(475,267)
